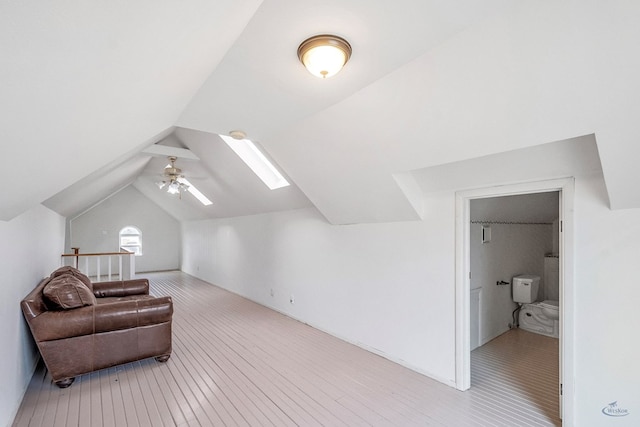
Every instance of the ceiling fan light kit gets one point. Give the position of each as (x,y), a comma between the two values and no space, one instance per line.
(324,55)
(175,187)
(173,176)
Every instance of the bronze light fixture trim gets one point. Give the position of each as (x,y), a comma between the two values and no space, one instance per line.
(324,55)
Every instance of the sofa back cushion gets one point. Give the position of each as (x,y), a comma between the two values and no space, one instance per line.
(66,292)
(74,272)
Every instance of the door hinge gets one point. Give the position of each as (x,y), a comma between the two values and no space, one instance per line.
(561,226)
(560,389)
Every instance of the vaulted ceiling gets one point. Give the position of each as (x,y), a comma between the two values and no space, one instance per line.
(87,88)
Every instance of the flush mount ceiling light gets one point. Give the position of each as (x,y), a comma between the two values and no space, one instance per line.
(237,135)
(324,55)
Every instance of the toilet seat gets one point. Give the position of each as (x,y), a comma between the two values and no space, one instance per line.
(552,304)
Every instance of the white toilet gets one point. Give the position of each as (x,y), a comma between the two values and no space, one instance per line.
(539,317)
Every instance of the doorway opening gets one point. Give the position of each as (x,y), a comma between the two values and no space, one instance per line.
(464,292)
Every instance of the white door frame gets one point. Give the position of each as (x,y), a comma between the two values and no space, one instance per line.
(463,283)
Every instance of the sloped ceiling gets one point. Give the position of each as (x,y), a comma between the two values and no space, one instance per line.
(430,83)
(219,174)
(85,82)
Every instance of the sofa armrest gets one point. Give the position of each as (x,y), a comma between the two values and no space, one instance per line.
(121,288)
(58,324)
(53,325)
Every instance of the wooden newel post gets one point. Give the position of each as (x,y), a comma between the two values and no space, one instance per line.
(76,251)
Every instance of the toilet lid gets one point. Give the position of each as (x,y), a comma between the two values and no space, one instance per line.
(549,303)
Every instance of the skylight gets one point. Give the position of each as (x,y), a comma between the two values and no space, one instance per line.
(196,193)
(257,162)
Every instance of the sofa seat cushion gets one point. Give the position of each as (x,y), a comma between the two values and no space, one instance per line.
(67,292)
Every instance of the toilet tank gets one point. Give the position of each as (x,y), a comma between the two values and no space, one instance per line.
(525,288)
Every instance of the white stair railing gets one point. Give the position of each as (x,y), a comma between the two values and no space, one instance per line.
(91,265)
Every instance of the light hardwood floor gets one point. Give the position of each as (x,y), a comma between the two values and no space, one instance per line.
(236,363)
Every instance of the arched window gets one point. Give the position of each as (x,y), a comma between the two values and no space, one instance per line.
(131,239)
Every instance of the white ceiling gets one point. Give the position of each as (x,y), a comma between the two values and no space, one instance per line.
(86,87)
(232,187)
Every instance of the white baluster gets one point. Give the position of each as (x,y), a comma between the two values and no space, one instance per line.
(132,265)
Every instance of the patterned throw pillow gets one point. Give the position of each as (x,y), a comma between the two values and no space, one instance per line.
(65,292)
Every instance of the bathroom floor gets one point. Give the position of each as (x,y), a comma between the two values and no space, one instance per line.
(517,373)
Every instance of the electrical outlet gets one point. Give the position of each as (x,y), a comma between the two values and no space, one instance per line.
(271,292)
(292,300)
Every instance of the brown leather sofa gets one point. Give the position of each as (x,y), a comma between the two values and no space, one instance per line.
(81,327)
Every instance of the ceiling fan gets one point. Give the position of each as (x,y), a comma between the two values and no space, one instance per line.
(176,183)
(174,180)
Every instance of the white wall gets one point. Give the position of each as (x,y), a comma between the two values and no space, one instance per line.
(390,287)
(97,230)
(30,248)
(384,286)
(514,249)
(607,289)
